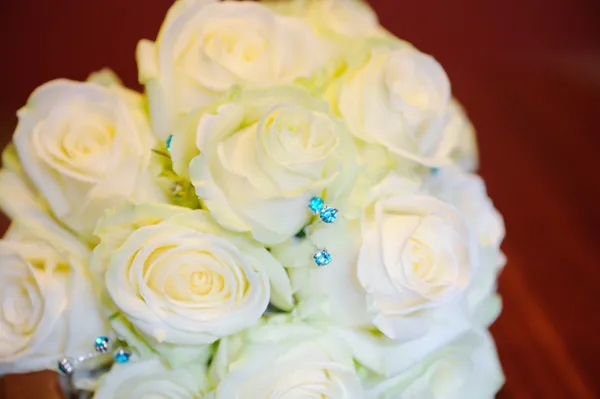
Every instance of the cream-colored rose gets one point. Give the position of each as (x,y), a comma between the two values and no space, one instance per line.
(18,197)
(86,148)
(206,47)
(150,378)
(467,368)
(414,257)
(263,155)
(468,194)
(395,96)
(47,306)
(284,361)
(348,19)
(384,358)
(181,279)
(458,138)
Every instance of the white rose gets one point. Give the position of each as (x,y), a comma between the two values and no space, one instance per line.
(181,279)
(86,148)
(284,361)
(468,194)
(386,358)
(415,257)
(262,156)
(458,138)
(150,378)
(349,19)
(47,306)
(18,197)
(403,96)
(206,47)
(467,368)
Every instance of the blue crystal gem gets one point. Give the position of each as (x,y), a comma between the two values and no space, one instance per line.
(322,257)
(122,356)
(101,344)
(435,171)
(169,139)
(328,215)
(316,204)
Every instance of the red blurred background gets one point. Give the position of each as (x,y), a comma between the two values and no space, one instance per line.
(528,72)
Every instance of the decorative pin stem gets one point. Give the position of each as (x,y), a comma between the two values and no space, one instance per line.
(102,346)
(328,215)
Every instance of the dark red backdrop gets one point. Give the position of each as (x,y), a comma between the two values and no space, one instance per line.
(528,71)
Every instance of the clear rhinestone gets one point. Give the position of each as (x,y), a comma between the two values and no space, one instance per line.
(65,366)
(178,190)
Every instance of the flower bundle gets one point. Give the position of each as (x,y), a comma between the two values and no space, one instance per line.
(290,210)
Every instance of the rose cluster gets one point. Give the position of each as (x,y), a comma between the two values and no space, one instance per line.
(178,220)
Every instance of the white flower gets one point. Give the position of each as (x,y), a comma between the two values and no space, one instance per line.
(415,256)
(206,47)
(284,361)
(458,139)
(396,98)
(86,148)
(263,155)
(386,358)
(150,378)
(348,19)
(47,306)
(467,368)
(468,194)
(18,197)
(181,279)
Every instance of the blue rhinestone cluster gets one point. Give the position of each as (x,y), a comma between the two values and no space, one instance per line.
(325,213)
(322,257)
(169,139)
(101,344)
(122,356)
(328,215)
(316,204)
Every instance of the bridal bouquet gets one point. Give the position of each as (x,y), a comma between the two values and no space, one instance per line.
(290,210)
